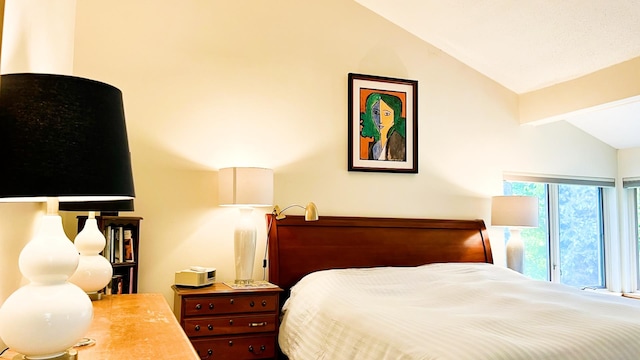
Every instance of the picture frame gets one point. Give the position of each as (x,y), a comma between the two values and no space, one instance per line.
(383,124)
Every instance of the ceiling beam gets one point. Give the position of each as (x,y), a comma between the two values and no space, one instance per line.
(611,86)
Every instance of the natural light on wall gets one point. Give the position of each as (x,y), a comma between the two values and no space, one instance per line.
(38,36)
(243,138)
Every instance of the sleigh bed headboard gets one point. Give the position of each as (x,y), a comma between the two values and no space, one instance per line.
(298,247)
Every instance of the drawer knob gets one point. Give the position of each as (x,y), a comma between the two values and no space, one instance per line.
(198,306)
(231,301)
(209,353)
(252,304)
(196,328)
(230,342)
(210,327)
(231,322)
(264,303)
(210,306)
(262,348)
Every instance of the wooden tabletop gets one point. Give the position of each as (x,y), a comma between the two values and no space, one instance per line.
(133,326)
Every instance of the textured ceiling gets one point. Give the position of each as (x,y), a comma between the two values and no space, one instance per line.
(523,44)
(526,45)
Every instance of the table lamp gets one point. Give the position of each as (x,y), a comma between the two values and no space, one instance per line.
(514,212)
(94,270)
(62,138)
(245,188)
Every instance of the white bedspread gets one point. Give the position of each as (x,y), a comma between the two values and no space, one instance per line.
(453,311)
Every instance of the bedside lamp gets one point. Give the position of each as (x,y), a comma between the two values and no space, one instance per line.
(94,270)
(245,188)
(62,138)
(514,212)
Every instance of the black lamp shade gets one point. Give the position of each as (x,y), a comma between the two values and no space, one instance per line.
(102,206)
(62,136)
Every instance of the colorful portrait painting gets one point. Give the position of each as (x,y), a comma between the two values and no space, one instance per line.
(382,124)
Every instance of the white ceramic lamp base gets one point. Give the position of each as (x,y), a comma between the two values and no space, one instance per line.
(94,270)
(515,251)
(49,315)
(244,245)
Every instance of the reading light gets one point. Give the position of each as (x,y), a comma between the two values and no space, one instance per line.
(514,212)
(245,188)
(310,211)
(310,214)
(62,138)
(94,270)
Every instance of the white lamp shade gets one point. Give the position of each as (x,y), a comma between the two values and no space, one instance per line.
(245,186)
(514,211)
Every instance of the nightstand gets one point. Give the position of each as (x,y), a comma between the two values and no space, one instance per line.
(227,323)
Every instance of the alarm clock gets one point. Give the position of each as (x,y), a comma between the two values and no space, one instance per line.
(196,276)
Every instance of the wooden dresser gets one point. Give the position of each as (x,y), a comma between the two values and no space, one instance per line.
(136,326)
(226,323)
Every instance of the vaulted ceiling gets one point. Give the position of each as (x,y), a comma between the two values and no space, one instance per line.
(527,45)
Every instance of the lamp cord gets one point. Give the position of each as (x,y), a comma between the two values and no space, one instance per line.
(266,248)
(2,352)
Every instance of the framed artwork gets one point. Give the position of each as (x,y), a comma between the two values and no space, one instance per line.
(383,124)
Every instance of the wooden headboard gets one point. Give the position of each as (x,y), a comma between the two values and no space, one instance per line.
(298,247)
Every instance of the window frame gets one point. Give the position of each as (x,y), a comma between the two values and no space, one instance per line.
(632,203)
(606,196)
(630,265)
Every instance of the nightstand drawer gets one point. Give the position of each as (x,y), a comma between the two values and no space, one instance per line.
(230,324)
(225,325)
(229,304)
(237,347)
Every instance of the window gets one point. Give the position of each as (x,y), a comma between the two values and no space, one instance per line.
(636,206)
(635,223)
(629,234)
(568,245)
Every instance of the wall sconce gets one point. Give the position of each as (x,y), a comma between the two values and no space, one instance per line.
(62,138)
(310,214)
(310,211)
(245,188)
(94,270)
(514,212)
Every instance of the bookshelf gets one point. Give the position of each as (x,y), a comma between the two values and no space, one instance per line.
(122,254)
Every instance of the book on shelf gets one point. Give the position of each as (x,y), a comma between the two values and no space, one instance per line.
(121,283)
(117,244)
(120,244)
(117,285)
(116,251)
(108,247)
(128,246)
(131,280)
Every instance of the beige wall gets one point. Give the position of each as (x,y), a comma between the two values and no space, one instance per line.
(211,84)
(37,36)
(628,164)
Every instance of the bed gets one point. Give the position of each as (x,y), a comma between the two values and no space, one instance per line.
(386,288)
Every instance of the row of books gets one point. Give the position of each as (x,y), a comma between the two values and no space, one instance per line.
(119,245)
